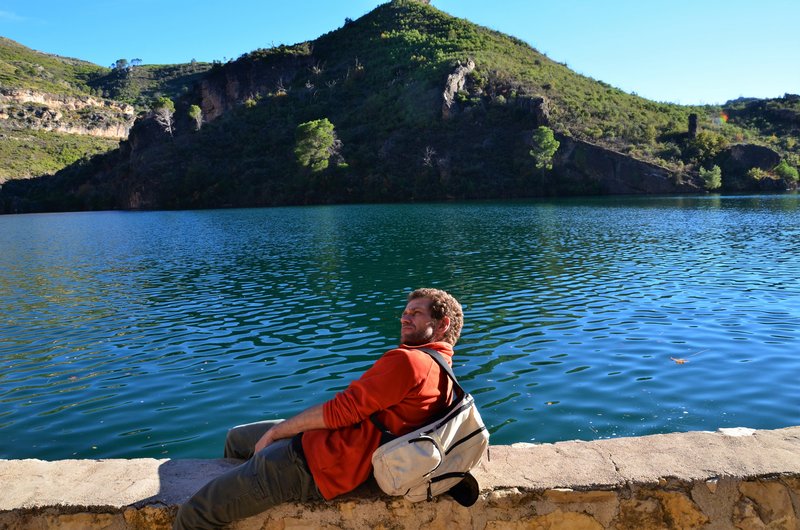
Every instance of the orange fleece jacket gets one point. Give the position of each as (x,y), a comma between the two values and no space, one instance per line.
(406,384)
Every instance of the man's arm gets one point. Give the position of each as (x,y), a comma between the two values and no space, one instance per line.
(308,420)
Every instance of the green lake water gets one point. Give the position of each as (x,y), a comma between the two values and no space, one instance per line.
(131,334)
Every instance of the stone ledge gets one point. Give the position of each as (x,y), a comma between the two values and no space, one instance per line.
(733,478)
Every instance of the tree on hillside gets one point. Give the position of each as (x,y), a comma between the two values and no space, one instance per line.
(120,64)
(712,178)
(545,146)
(196,114)
(316,143)
(163,111)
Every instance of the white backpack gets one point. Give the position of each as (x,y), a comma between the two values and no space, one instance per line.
(437,457)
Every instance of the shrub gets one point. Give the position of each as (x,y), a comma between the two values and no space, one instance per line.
(707,145)
(787,172)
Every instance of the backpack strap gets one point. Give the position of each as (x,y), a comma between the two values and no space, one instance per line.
(444,366)
(458,393)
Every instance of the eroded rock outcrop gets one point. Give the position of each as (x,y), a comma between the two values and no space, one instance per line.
(226,87)
(60,102)
(455,83)
(538,106)
(85,115)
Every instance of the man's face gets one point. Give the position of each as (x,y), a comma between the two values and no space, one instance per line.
(416,325)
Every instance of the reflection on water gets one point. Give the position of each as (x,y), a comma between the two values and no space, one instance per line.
(149,334)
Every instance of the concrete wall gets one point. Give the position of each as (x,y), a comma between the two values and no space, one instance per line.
(733,478)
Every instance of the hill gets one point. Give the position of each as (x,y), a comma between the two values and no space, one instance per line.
(406,103)
(23,68)
(56,110)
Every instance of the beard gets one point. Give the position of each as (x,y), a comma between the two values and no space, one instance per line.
(418,337)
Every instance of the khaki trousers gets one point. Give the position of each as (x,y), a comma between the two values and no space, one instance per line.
(272,476)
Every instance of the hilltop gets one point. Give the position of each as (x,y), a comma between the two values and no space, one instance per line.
(405,103)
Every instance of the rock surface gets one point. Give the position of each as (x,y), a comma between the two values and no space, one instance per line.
(737,160)
(723,480)
(588,168)
(455,82)
(87,115)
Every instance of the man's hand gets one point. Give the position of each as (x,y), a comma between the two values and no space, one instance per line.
(267,439)
(310,419)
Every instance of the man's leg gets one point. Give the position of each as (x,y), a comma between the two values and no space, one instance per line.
(241,440)
(272,476)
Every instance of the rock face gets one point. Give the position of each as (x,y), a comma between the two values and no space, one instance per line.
(538,106)
(733,478)
(145,132)
(455,82)
(587,168)
(61,102)
(75,115)
(737,160)
(224,88)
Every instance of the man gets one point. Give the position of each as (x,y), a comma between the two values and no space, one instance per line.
(326,450)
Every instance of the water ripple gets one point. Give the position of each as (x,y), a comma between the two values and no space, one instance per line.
(149,334)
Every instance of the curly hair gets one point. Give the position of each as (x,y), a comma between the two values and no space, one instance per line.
(443,304)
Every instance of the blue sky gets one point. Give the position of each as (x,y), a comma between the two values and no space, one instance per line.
(684,51)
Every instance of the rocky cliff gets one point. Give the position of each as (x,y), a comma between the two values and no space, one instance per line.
(594,169)
(226,87)
(455,83)
(28,109)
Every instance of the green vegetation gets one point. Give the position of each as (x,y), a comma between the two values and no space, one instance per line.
(316,144)
(139,85)
(196,114)
(128,82)
(21,67)
(706,146)
(544,147)
(768,118)
(31,153)
(785,171)
(59,77)
(712,178)
(164,110)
